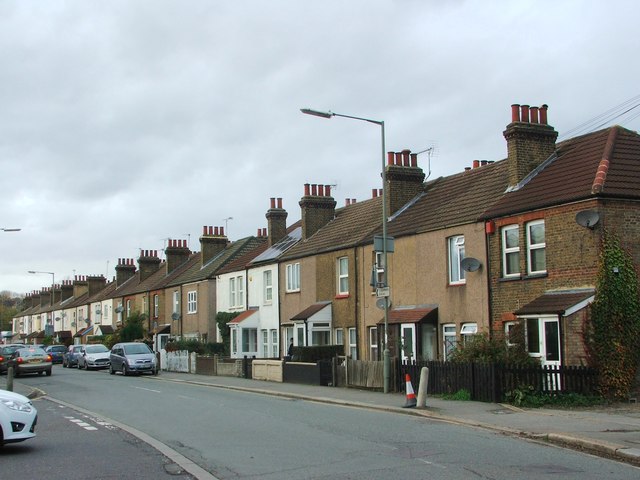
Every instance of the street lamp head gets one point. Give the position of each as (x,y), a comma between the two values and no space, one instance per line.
(32,271)
(10,229)
(317,113)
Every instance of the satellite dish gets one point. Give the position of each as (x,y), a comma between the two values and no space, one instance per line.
(119,309)
(470,264)
(380,303)
(587,218)
(57,319)
(175,316)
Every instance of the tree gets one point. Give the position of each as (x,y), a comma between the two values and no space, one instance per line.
(133,328)
(222,318)
(613,332)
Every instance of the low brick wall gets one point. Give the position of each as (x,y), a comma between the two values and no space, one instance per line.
(270,370)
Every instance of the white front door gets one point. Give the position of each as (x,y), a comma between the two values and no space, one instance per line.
(408,339)
(543,342)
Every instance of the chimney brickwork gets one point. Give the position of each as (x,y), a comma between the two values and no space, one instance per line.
(176,253)
(80,286)
(125,269)
(530,140)
(66,290)
(276,221)
(96,283)
(404,179)
(212,242)
(318,208)
(148,263)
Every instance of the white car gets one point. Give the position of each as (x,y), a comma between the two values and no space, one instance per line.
(18,418)
(93,356)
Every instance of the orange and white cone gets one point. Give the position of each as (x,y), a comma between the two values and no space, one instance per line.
(411,396)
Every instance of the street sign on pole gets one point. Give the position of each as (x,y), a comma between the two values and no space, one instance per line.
(382,292)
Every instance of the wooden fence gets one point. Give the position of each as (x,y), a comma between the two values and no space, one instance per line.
(491,382)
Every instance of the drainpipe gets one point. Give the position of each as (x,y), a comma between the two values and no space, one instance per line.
(356,297)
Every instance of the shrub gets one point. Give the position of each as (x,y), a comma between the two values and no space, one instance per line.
(316,353)
(133,328)
(461,394)
(526,396)
(196,346)
(484,349)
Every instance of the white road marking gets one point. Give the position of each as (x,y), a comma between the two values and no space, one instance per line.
(81,423)
(148,389)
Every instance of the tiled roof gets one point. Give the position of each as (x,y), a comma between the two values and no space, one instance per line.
(557,302)
(197,273)
(353,225)
(605,163)
(276,250)
(104,293)
(310,311)
(241,261)
(244,315)
(453,200)
(411,315)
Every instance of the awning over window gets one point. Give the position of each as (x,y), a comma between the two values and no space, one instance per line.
(166,328)
(64,334)
(412,314)
(560,302)
(84,331)
(104,330)
(310,311)
(243,316)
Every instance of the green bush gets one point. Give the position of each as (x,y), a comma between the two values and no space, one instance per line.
(526,396)
(195,346)
(481,348)
(461,394)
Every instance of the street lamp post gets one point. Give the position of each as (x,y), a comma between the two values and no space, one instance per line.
(53,285)
(10,229)
(385,354)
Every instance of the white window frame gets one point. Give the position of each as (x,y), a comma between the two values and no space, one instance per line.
(234,341)
(128,308)
(267,281)
(535,247)
(249,340)
(373,343)
(265,342)
(293,277)
(353,344)
(342,281)
(456,255)
(467,331)
(192,301)
(240,291)
(449,339)
(232,292)
(508,252)
(156,306)
(176,301)
(338,335)
(274,343)
(508,327)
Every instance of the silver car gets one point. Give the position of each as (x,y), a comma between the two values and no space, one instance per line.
(93,356)
(132,358)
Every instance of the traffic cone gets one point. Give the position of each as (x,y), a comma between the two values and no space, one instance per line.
(411,396)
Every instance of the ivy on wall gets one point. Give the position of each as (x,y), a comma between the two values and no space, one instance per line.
(222,318)
(613,332)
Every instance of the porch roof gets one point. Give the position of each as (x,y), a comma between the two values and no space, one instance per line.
(310,311)
(84,331)
(63,334)
(560,302)
(243,316)
(414,314)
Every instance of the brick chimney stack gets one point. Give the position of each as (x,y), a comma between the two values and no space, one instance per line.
(148,263)
(404,179)
(80,286)
(176,253)
(318,208)
(530,140)
(66,290)
(276,221)
(96,283)
(212,242)
(125,269)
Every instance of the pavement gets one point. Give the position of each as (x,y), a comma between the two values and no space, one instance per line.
(609,431)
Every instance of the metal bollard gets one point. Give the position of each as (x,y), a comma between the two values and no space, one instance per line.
(422,387)
(10,379)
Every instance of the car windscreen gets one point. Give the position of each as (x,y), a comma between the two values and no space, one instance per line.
(59,348)
(96,349)
(137,349)
(31,352)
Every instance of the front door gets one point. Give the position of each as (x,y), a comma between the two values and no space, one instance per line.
(408,342)
(543,342)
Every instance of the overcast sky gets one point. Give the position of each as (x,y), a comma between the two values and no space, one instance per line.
(124,123)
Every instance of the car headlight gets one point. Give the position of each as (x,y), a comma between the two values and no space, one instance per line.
(16,405)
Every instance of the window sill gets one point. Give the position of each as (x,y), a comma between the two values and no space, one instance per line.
(510,279)
(341,295)
(535,275)
(457,284)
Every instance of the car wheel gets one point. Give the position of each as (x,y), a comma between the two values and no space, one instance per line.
(124,370)
(111,370)
(64,364)
(41,372)
(155,371)
(49,373)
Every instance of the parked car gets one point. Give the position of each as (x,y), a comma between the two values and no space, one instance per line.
(18,418)
(70,359)
(57,352)
(30,360)
(93,356)
(5,353)
(132,357)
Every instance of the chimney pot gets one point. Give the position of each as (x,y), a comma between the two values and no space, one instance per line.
(515,112)
(347,201)
(204,230)
(221,231)
(306,190)
(374,192)
(314,189)
(414,159)
(524,113)
(398,158)
(483,162)
(390,158)
(259,232)
(466,169)
(476,163)
(327,190)
(279,202)
(405,157)
(321,190)
(534,114)
(215,231)
(543,114)
(273,202)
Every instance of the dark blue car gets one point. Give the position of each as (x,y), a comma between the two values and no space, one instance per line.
(57,352)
